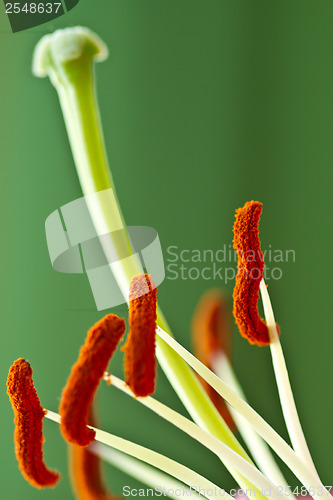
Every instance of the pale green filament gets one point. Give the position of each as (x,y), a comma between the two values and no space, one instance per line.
(142,472)
(286,453)
(153,458)
(282,379)
(258,448)
(220,449)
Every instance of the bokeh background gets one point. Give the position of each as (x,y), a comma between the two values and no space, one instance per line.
(205,104)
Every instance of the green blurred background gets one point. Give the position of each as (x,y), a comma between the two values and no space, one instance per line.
(205,104)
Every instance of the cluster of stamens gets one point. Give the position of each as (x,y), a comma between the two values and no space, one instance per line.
(211,336)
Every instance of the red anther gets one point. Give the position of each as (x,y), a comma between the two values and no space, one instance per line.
(86,472)
(250,272)
(28,419)
(140,362)
(78,395)
(211,335)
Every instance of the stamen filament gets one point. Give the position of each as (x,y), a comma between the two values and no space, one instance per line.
(141,471)
(258,448)
(296,465)
(226,454)
(151,457)
(283,383)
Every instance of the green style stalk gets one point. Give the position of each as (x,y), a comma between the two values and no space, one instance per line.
(67,58)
